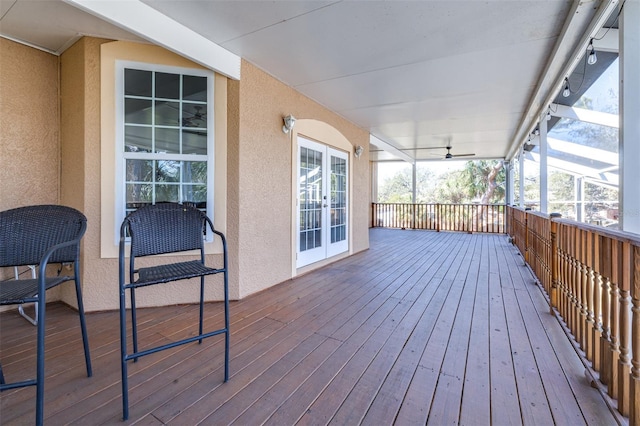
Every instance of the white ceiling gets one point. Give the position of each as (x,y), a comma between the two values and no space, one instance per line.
(418,75)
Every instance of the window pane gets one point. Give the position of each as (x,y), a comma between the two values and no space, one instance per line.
(194,142)
(167,113)
(139,194)
(137,111)
(195,194)
(137,139)
(167,85)
(139,170)
(194,88)
(167,171)
(137,83)
(194,115)
(167,141)
(194,172)
(167,193)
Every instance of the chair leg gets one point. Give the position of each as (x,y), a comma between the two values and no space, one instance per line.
(226,326)
(40,361)
(134,322)
(83,324)
(201,307)
(123,354)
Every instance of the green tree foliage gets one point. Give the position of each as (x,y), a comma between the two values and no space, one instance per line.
(480,181)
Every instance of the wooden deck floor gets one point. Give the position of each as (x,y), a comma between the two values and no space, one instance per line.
(437,328)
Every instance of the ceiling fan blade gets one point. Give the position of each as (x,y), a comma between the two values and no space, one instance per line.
(421,148)
(463,155)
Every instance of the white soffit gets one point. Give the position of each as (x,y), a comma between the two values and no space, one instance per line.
(164,31)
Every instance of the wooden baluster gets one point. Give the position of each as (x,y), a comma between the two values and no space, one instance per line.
(562,278)
(526,239)
(614,340)
(579,302)
(590,295)
(554,263)
(604,267)
(596,280)
(634,397)
(572,276)
(624,362)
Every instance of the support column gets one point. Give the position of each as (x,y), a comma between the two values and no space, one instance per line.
(579,198)
(544,178)
(521,179)
(509,193)
(413,183)
(629,148)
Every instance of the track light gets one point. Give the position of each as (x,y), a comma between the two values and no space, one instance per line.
(566,92)
(592,58)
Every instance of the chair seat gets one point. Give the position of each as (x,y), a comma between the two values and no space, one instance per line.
(25,291)
(172,272)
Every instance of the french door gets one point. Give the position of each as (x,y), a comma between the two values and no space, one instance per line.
(322,202)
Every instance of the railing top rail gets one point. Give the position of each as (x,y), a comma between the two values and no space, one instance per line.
(622,236)
(441,204)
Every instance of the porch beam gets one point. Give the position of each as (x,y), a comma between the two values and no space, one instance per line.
(390,149)
(148,23)
(583,22)
(585,115)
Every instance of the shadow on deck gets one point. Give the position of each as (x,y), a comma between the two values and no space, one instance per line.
(425,327)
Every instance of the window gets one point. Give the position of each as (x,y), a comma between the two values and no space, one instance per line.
(164,132)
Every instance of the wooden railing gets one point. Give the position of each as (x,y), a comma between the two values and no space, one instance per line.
(592,277)
(440,217)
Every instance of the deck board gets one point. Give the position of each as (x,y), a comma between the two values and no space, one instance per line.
(422,328)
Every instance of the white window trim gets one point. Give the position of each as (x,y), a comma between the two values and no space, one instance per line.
(120,155)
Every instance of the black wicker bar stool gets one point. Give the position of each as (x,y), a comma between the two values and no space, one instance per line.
(41,235)
(160,229)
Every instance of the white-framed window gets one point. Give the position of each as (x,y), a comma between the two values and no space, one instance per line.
(164,137)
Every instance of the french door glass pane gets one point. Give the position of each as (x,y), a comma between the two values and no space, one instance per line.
(338,199)
(310,199)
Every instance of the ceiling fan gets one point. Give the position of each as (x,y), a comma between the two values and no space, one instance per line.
(449,155)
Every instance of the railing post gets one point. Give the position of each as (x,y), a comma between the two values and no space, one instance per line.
(554,261)
(634,412)
(526,238)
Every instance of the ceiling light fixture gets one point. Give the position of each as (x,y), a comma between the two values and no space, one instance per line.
(566,92)
(592,58)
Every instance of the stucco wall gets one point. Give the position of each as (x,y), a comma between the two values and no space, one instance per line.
(73,154)
(29,130)
(265,183)
(29,126)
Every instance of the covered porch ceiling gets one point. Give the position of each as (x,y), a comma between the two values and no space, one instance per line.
(418,75)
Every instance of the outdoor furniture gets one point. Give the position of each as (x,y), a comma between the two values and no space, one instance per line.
(161,229)
(41,235)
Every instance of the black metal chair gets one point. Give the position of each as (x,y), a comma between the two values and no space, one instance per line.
(41,235)
(161,229)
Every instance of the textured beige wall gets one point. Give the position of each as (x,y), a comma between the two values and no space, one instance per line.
(29,126)
(29,130)
(264,187)
(78,166)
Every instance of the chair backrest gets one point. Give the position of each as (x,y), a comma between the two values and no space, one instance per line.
(26,233)
(164,228)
